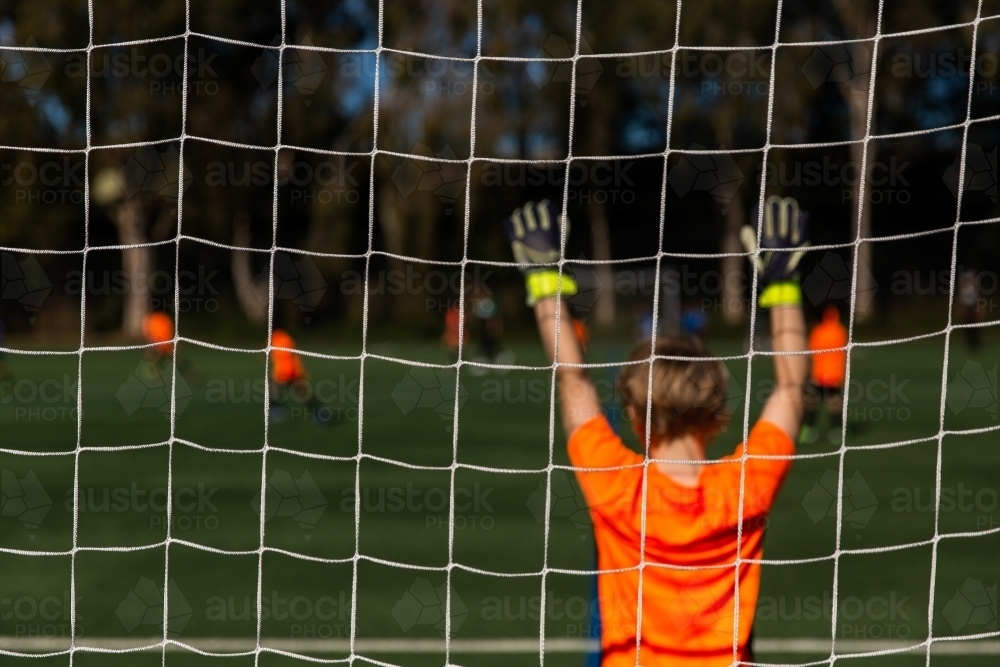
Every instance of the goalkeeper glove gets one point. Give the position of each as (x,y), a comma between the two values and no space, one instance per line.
(535,235)
(783,240)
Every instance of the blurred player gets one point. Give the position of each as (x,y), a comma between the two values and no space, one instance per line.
(674,510)
(490,332)
(453,328)
(642,316)
(694,320)
(158,330)
(290,383)
(490,326)
(826,379)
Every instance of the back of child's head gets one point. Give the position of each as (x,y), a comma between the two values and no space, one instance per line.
(688,390)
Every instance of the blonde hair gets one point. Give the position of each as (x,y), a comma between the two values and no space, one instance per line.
(688,394)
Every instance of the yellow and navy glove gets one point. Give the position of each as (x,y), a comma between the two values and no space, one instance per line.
(535,233)
(784,238)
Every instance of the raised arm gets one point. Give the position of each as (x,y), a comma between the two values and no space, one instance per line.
(579,402)
(788,334)
(536,232)
(784,236)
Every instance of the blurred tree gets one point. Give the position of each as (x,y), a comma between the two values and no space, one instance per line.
(859,18)
(522,112)
(131,217)
(728,93)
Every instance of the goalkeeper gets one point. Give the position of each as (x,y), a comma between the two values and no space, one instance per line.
(681,515)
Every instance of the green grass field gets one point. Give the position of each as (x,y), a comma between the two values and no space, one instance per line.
(504,425)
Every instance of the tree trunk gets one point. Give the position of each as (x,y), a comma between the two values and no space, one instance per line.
(857,102)
(599,142)
(855,92)
(600,240)
(392,233)
(733,267)
(252,302)
(137,262)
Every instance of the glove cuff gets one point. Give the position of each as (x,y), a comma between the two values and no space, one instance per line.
(781,293)
(548,283)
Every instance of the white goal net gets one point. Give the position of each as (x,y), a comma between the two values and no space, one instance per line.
(703,170)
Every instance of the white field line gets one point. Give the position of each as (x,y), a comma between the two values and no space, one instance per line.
(500,645)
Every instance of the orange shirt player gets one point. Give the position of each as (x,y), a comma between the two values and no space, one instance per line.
(686,559)
(286,366)
(158,329)
(452,328)
(291,397)
(827,342)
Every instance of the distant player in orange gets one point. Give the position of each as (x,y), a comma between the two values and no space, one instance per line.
(158,329)
(291,394)
(453,328)
(826,382)
(286,366)
(668,526)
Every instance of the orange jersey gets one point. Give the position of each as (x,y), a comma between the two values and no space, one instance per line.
(828,368)
(286,366)
(452,322)
(687,614)
(158,328)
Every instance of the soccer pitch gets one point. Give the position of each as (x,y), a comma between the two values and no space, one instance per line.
(405,484)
